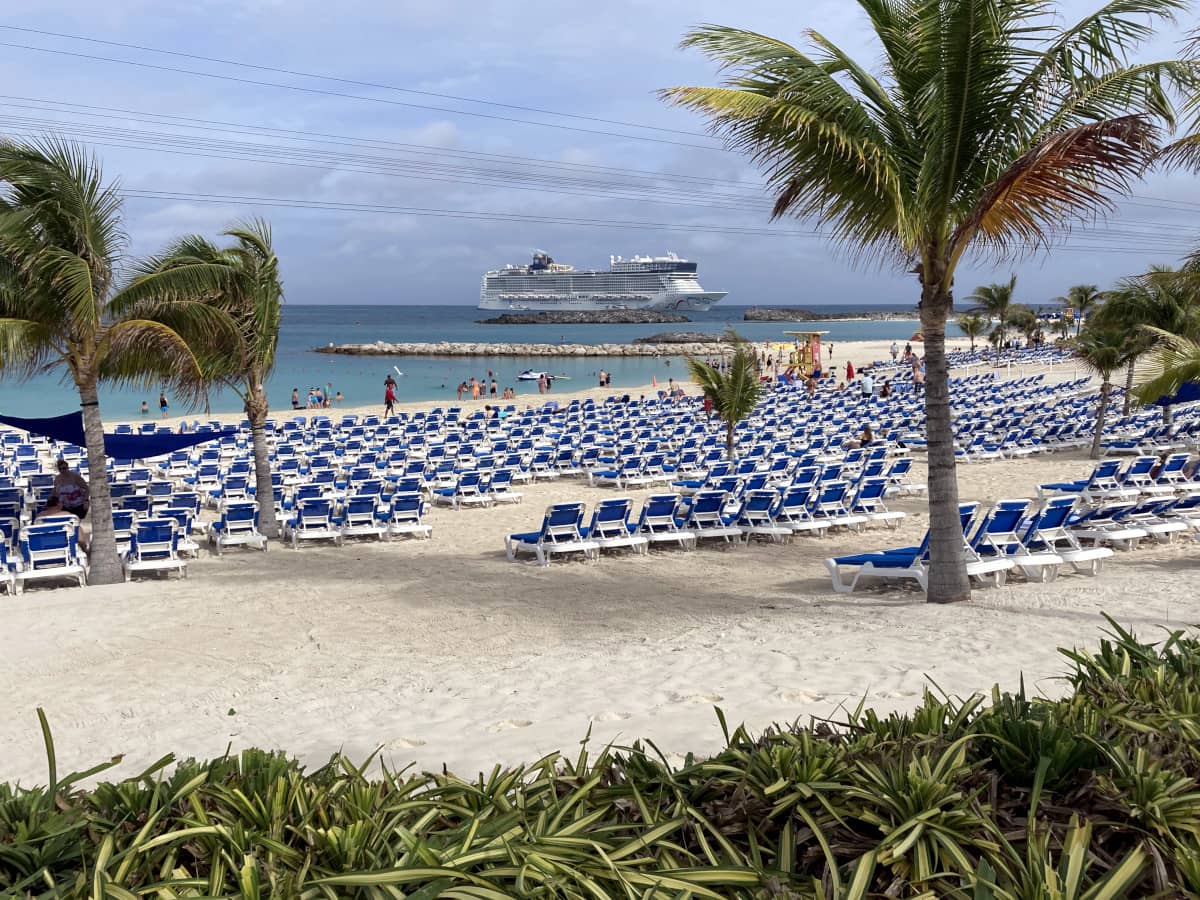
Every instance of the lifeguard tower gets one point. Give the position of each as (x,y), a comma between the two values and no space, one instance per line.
(805,356)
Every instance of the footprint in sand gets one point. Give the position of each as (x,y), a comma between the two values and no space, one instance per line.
(696,698)
(799,697)
(405,743)
(509,725)
(609,716)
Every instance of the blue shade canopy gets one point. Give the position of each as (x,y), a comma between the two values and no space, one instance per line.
(1189,393)
(69,428)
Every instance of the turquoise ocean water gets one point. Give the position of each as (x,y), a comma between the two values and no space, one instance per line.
(360,378)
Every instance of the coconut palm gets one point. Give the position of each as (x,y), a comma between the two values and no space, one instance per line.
(1163,301)
(1025,321)
(1081,298)
(61,244)
(734,393)
(996,302)
(252,297)
(1174,362)
(1104,351)
(973,326)
(989,126)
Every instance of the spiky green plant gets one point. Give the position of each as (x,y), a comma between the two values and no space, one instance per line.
(735,392)
(987,127)
(902,805)
(62,245)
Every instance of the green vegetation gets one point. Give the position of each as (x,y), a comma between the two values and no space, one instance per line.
(733,393)
(975,128)
(1090,796)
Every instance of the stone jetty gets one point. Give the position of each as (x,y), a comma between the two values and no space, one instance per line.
(454,348)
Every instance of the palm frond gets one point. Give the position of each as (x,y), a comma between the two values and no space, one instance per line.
(1175,363)
(1070,175)
(141,353)
(27,348)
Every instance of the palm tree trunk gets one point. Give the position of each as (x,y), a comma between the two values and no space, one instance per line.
(1125,407)
(948,582)
(256,412)
(104,563)
(1101,413)
(729,446)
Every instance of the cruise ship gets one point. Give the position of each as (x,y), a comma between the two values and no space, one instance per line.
(640,282)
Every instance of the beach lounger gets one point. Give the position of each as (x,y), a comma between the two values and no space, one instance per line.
(658,522)
(404,516)
(237,526)
(561,532)
(1103,525)
(467,490)
(757,517)
(499,487)
(50,551)
(868,501)
(361,518)
(911,563)
(708,518)
(312,521)
(611,527)
(997,536)
(1047,531)
(793,511)
(154,549)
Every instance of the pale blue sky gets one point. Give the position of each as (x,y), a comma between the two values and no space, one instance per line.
(602,60)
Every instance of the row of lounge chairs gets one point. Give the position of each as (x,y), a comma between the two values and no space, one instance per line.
(683,521)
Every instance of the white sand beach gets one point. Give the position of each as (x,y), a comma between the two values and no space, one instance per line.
(444,653)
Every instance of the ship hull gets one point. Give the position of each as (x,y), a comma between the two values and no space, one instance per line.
(695,301)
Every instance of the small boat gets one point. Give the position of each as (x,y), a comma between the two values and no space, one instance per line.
(531,375)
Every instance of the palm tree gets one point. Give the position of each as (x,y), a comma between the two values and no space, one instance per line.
(973,326)
(996,301)
(1081,298)
(734,393)
(61,243)
(1026,321)
(251,296)
(1104,351)
(1174,362)
(990,126)
(1163,301)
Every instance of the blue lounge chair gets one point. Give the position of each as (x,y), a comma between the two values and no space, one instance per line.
(236,526)
(1047,531)
(868,501)
(50,551)
(561,532)
(997,536)
(154,549)
(1105,525)
(611,527)
(709,518)
(404,516)
(658,522)
(758,517)
(361,518)
(312,521)
(912,562)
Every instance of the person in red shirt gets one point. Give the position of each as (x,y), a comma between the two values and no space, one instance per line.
(849,372)
(389,399)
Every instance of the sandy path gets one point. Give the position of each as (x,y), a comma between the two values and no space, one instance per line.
(444,652)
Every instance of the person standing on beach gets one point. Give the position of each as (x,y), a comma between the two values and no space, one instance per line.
(895,351)
(389,399)
(829,346)
(867,385)
(295,398)
(849,371)
(603,374)
(492,389)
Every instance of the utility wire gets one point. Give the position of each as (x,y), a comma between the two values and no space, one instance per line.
(369,84)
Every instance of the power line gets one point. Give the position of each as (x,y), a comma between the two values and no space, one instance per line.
(356,83)
(372,143)
(347,96)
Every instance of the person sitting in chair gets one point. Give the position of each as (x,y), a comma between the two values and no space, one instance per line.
(70,491)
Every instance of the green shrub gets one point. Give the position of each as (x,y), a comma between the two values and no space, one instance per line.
(1091,796)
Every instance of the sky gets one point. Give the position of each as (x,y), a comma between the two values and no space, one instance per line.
(381,154)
